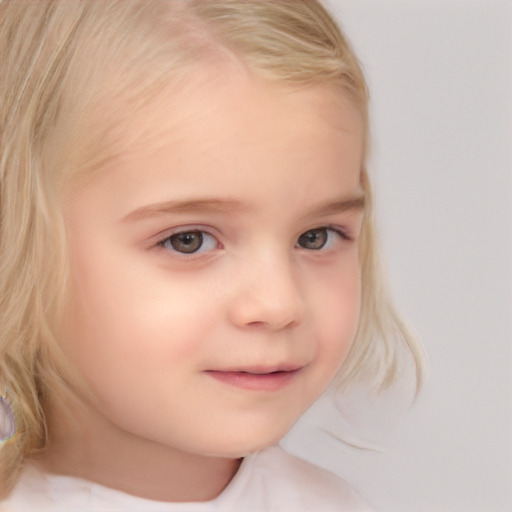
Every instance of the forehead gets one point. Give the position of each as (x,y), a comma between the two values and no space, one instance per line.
(223,136)
(236,106)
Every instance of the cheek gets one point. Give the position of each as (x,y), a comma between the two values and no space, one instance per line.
(132,319)
(125,320)
(122,344)
(338,310)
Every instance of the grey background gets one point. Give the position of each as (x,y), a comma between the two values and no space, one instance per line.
(440,74)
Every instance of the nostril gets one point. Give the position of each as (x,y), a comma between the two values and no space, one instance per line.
(267,296)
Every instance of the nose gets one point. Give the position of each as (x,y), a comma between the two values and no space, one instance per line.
(267,293)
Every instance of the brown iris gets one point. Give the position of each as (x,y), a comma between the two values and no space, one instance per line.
(314,239)
(187,242)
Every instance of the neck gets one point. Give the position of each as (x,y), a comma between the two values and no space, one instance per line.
(94,449)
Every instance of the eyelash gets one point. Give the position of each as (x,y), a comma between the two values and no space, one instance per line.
(337,231)
(166,243)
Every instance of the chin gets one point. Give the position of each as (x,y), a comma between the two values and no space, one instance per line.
(241,443)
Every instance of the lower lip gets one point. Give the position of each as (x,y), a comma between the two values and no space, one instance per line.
(257,382)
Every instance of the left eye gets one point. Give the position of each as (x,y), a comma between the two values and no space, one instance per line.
(189,242)
(318,238)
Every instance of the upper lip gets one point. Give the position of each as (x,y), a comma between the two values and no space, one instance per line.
(261,370)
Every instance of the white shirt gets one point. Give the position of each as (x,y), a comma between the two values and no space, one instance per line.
(269,481)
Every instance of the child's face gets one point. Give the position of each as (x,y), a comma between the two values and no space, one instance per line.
(216,279)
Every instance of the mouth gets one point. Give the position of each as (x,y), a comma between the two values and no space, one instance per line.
(257,379)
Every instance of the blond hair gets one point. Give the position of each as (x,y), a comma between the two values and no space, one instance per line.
(56,56)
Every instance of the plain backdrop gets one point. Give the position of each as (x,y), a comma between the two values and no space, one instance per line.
(440,75)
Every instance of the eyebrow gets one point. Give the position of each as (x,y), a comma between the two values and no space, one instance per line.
(228,206)
(185,206)
(339,206)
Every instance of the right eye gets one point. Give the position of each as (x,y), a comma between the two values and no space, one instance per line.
(189,242)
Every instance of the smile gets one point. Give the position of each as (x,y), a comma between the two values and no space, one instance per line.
(257,379)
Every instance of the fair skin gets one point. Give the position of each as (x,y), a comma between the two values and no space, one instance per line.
(215,285)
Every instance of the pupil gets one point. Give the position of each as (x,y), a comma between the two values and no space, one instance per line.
(314,239)
(187,242)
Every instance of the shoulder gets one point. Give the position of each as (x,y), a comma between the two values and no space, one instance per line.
(271,480)
(291,483)
(30,493)
(42,492)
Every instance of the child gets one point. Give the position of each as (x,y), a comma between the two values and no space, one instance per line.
(187,252)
